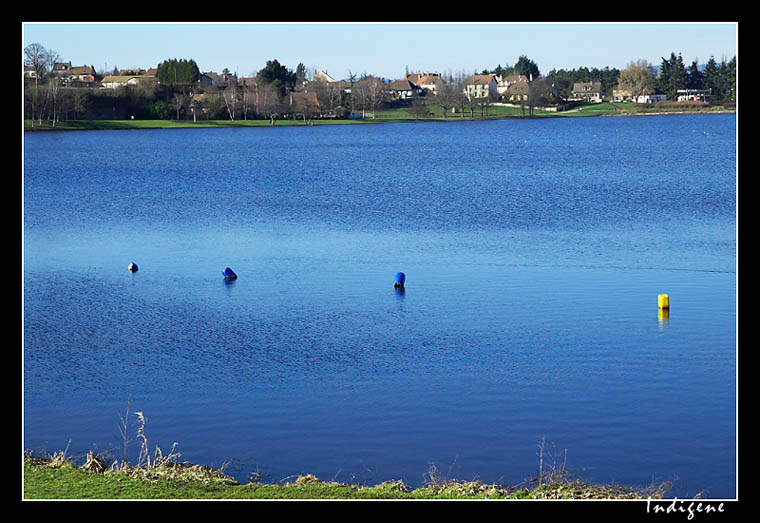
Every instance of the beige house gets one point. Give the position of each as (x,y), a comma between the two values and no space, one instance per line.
(503,82)
(518,92)
(481,86)
(621,95)
(587,92)
(68,74)
(61,68)
(403,89)
(114,82)
(84,73)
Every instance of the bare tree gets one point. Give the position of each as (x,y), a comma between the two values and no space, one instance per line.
(304,103)
(328,94)
(52,91)
(360,96)
(35,56)
(178,102)
(484,102)
(51,58)
(231,99)
(247,97)
(195,106)
(541,92)
(461,99)
(41,60)
(445,94)
(419,108)
(637,77)
(376,92)
(79,102)
(33,103)
(268,101)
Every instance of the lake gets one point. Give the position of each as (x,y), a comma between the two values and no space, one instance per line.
(534,253)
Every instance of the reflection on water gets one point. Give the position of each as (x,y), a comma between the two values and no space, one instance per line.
(536,259)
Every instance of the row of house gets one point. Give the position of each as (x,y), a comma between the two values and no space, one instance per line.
(477,85)
(85,75)
(511,88)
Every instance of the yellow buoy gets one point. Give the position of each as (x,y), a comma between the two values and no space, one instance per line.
(663,301)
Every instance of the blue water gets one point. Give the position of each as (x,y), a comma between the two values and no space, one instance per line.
(534,252)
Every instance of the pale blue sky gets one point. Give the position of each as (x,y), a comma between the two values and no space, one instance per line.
(382,49)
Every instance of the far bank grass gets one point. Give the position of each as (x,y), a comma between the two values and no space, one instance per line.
(61,479)
(400,115)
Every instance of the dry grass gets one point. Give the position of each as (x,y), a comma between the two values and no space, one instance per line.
(150,466)
(54,460)
(576,489)
(156,465)
(94,463)
(553,480)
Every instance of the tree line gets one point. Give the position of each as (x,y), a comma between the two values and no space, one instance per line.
(720,79)
(640,75)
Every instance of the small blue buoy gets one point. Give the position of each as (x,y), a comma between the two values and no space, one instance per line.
(132,267)
(229,274)
(399,281)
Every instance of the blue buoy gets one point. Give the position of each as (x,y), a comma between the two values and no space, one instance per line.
(132,267)
(399,281)
(229,274)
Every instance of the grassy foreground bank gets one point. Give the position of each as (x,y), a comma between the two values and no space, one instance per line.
(58,478)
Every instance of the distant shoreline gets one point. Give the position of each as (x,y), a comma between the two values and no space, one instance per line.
(95,125)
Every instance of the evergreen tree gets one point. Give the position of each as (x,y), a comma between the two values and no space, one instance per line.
(663,76)
(727,75)
(695,77)
(679,78)
(712,78)
(175,71)
(300,75)
(527,67)
(278,75)
(731,76)
(673,76)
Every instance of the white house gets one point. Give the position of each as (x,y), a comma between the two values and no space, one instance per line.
(114,82)
(323,76)
(481,86)
(694,95)
(650,98)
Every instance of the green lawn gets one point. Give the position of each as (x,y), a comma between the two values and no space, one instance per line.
(50,479)
(381,116)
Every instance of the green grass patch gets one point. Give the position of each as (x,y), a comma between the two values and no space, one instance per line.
(58,478)
(91,125)
(396,115)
